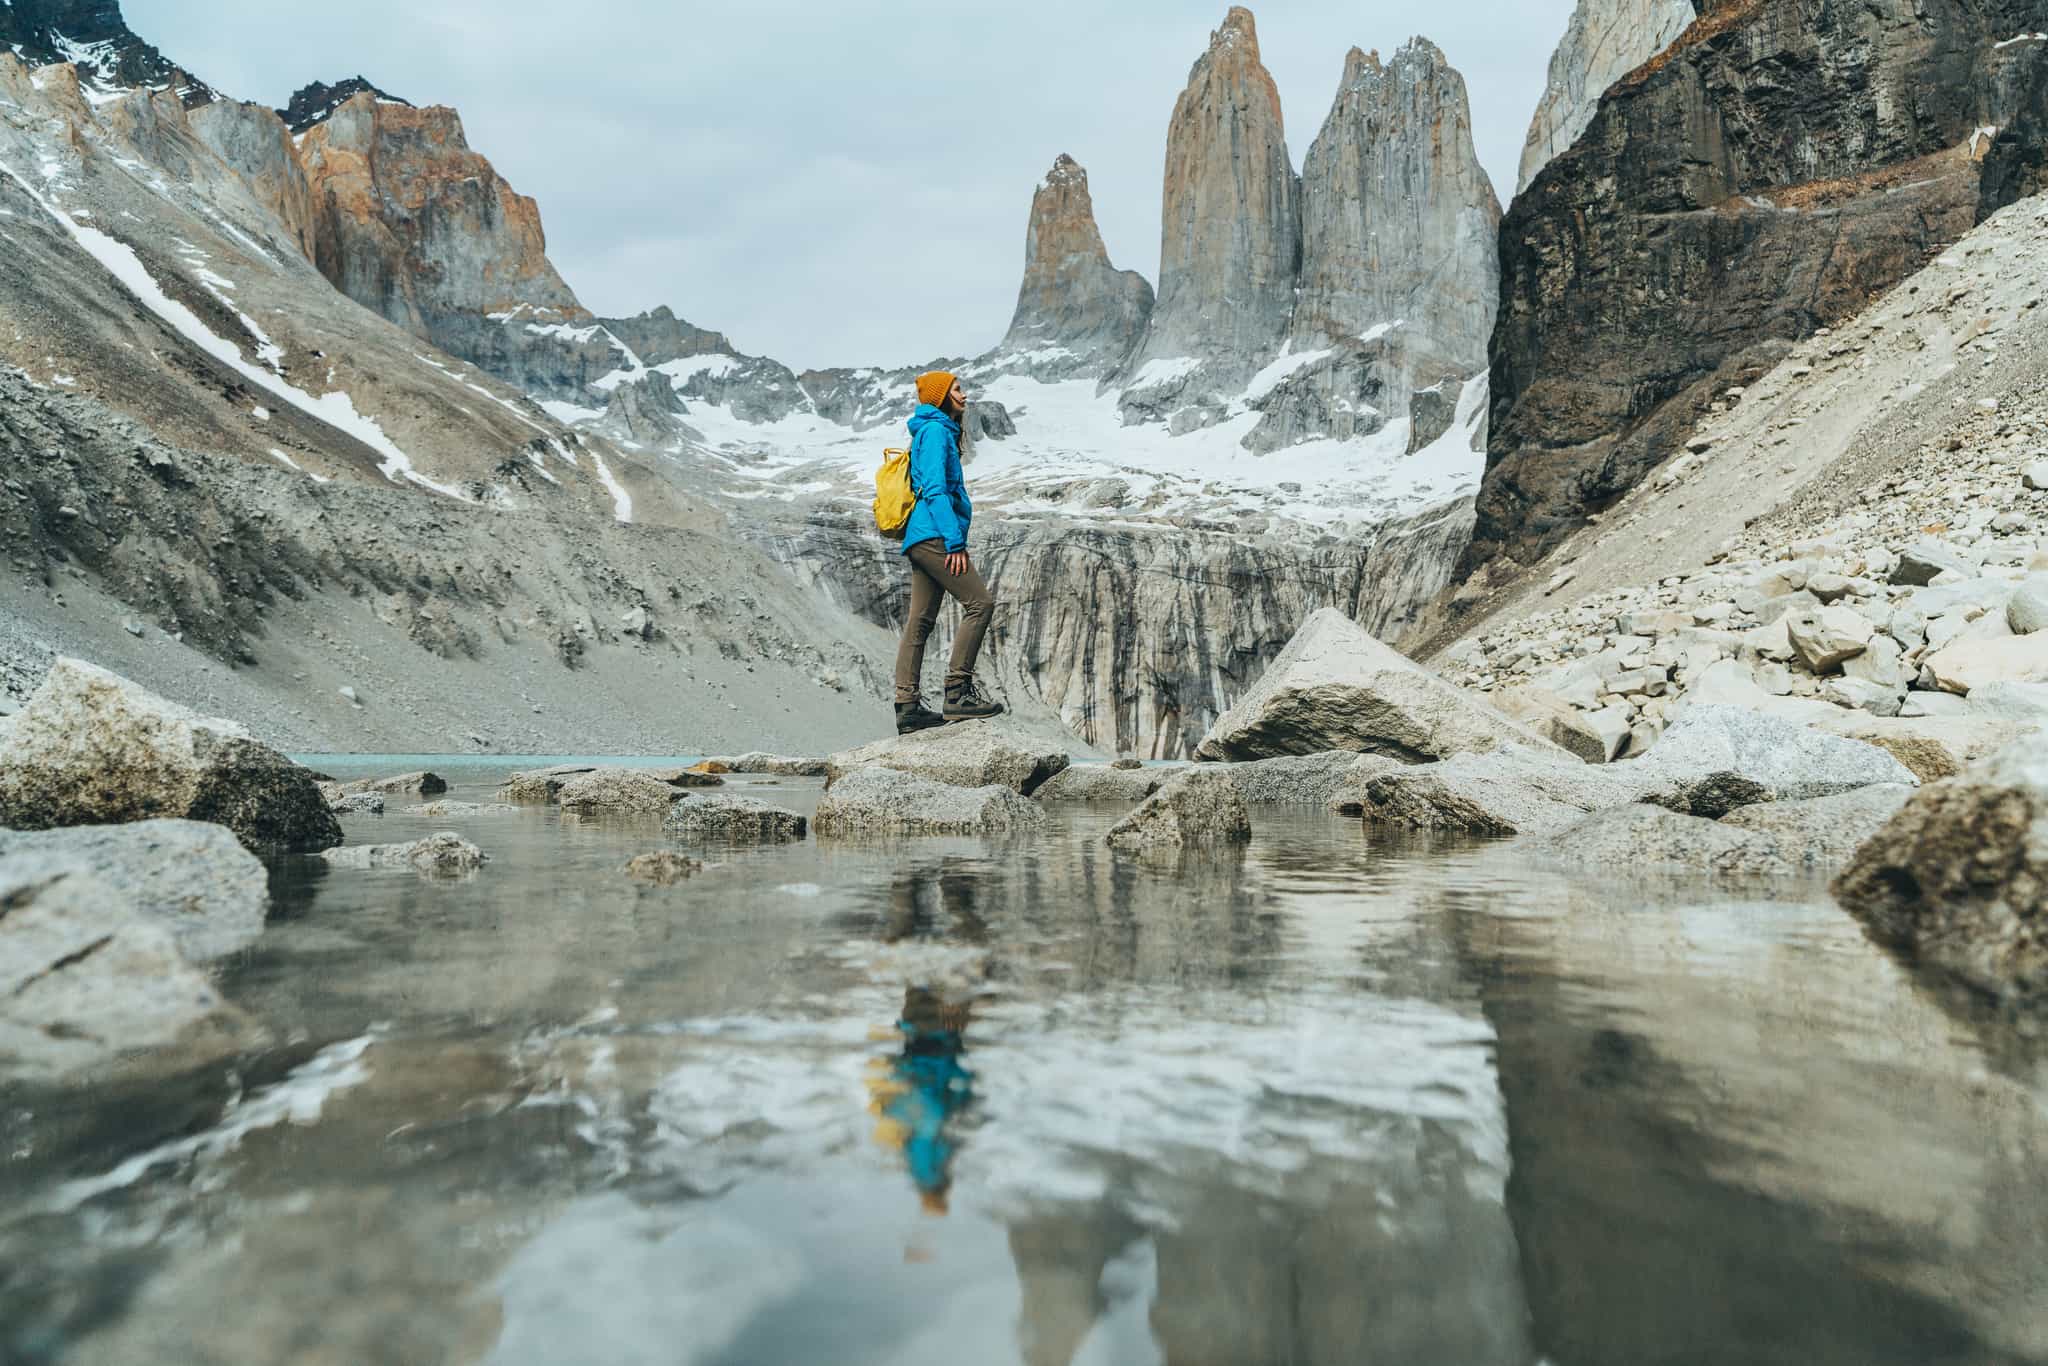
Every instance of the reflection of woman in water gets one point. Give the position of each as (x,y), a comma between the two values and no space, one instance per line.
(916,1094)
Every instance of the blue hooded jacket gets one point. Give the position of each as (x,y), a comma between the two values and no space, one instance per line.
(943,512)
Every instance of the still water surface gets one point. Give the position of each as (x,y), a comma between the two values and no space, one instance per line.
(1330,1100)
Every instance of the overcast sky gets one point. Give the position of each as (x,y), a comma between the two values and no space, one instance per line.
(832,182)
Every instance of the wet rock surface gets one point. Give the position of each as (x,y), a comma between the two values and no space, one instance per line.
(966,754)
(733,819)
(190,878)
(444,854)
(880,800)
(91,748)
(1959,878)
(87,979)
(1651,839)
(1295,780)
(618,791)
(1102,783)
(1199,808)
(1823,832)
(1508,792)
(662,868)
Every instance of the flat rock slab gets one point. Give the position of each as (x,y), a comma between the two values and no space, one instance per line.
(91,748)
(539,786)
(1933,747)
(888,801)
(1103,784)
(444,854)
(1823,832)
(436,811)
(1967,665)
(86,981)
(1959,877)
(1294,779)
(1198,808)
(1509,792)
(968,754)
(1716,758)
(774,765)
(1639,838)
(398,785)
(736,820)
(357,804)
(194,880)
(617,791)
(1335,687)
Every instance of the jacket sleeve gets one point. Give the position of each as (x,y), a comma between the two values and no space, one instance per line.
(928,481)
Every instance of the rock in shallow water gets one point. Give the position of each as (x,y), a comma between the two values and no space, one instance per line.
(91,748)
(969,754)
(1295,779)
(1335,687)
(623,791)
(1507,793)
(662,868)
(436,811)
(420,784)
(772,765)
(887,801)
(356,804)
(1652,839)
(442,854)
(1107,785)
(1959,877)
(193,879)
(85,979)
(1822,832)
(1199,807)
(738,820)
(1717,758)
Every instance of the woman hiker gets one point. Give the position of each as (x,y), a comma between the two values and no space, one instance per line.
(935,544)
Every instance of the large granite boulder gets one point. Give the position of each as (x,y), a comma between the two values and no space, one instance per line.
(734,820)
(1509,792)
(879,800)
(91,748)
(967,754)
(1294,779)
(1959,877)
(1715,759)
(1822,832)
(1933,747)
(1335,687)
(1595,737)
(193,879)
(1199,808)
(87,979)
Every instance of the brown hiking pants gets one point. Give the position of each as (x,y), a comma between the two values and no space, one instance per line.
(930,585)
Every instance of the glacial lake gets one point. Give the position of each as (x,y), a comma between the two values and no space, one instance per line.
(1332,1099)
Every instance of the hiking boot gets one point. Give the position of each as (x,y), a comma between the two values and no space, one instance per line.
(912,717)
(965,702)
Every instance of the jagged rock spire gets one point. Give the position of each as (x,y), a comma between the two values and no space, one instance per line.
(1073,300)
(1399,220)
(1230,246)
(317,102)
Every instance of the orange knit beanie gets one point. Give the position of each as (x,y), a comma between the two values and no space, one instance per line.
(934,387)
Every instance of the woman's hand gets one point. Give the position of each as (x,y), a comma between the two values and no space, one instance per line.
(956,563)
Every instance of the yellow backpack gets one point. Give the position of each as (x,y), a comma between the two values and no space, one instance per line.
(893,495)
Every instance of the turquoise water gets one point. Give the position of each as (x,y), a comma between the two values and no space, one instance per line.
(1329,1099)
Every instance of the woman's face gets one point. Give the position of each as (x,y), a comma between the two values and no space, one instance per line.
(956,396)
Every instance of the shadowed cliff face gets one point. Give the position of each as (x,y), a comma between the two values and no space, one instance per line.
(1780,165)
(1605,40)
(93,34)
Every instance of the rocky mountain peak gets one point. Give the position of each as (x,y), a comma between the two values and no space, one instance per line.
(1605,40)
(1398,218)
(1075,310)
(1230,245)
(318,101)
(94,36)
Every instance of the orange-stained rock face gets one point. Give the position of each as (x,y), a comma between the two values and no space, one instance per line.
(1075,310)
(1230,245)
(418,227)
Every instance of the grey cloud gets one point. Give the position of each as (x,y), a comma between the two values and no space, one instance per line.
(837,183)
